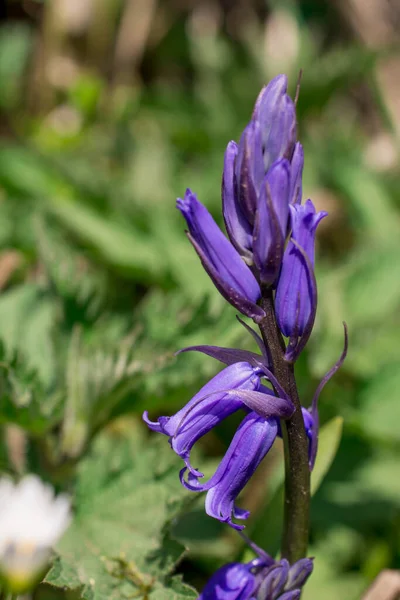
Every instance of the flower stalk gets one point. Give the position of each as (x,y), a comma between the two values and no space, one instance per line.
(265,269)
(297,472)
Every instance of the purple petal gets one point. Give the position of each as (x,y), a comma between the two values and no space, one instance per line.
(234,581)
(294,595)
(222,262)
(278,178)
(263,403)
(271,222)
(299,572)
(249,169)
(250,444)
(274,580)
(275,112)
(206,409)
(267,239)
(238,228)
(296,345)
(294,281)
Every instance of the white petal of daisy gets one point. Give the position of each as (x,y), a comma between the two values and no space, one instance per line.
(32,520)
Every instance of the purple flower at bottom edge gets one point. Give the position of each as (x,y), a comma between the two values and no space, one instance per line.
(229,273)
(234,581)
(251,442)
(261,579)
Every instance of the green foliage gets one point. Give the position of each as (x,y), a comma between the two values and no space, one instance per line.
(105,287)
(119,543)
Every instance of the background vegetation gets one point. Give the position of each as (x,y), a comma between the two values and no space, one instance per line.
(109,110)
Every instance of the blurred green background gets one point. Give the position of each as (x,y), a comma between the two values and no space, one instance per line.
(109,109)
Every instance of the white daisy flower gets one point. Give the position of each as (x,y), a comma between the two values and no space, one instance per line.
(32,520)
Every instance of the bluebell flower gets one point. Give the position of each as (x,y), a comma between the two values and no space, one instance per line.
(237,387)
(231,356)
(261,579)
(229,273)
(206,409)
(234,581)
(251,442)
(296,294)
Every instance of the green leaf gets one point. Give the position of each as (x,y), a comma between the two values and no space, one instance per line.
(381,405)
(23,398)
(175,590)
(328,444)
(119,543)
(27,315)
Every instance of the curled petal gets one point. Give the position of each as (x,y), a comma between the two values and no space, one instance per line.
(251,442)
(206,409)
(230,274)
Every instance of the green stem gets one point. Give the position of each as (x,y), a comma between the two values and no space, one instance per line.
(297,473)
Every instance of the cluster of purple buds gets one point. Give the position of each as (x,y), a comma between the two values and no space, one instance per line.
(260,579)
(271,234)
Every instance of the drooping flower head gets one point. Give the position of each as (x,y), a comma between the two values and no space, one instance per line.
(237,387)
(32,520)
